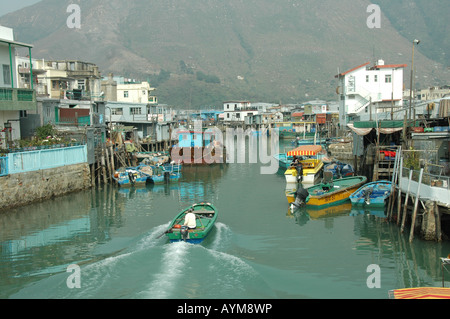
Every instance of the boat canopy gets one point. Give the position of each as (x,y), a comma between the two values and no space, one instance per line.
(305,150)
(420,293)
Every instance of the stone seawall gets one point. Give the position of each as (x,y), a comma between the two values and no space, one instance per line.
(27,188)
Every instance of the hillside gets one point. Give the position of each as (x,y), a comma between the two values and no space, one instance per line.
(200,52)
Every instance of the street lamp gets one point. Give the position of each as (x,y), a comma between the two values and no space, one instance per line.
(415,42)
(411,80)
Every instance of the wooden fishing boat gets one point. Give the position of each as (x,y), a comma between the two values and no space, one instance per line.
(130,176)
(311,166)
(335,191)
(373,194)
(206,216)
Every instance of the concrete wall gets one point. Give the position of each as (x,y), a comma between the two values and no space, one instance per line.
(27,188)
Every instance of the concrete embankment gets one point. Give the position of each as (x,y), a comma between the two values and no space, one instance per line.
(26,188)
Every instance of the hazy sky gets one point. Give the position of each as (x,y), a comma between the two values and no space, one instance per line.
(7,6)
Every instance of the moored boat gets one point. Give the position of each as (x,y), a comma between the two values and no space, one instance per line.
(333,192)
(130,176)
(339,169)
(205,217)
(373,194)
(284,161)
(311,167)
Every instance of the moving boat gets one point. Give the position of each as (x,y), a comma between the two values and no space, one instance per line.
(205,216)
(373,194)
(332,192)
(311,167)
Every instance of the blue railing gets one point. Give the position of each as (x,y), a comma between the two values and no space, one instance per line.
(3,166)
(43,159)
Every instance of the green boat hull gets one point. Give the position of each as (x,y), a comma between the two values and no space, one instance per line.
(206,216)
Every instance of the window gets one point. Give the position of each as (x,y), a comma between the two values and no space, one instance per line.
(125,93)
(118,111)
(367,78)
(388,78)
(228,115)
(135,110)
(6,74)
(376,78)
(81,85)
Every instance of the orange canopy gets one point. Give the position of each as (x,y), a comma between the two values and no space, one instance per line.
(305,150)
(421,293)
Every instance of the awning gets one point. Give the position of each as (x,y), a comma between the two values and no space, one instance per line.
(420,293)
(305,150)
(366,130)
(360,131)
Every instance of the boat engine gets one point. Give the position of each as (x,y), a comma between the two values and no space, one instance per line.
(184,233)
(301,196)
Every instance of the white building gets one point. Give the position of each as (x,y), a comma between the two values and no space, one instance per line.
(369,89)
(236,111)
(136,93)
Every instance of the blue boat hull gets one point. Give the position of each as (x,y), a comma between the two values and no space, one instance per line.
(373,194)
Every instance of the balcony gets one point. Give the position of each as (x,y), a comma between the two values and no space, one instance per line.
(17,99)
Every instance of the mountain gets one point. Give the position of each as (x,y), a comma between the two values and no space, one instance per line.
(203,52)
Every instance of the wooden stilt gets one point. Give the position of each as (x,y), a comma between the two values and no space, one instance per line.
(113,169)
(105,181)
(438,223)
(108,164)
(405,206)
(92,175)
(416,204)
(399,204)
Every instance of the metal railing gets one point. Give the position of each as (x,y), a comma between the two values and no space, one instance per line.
(37,160)
(429,179)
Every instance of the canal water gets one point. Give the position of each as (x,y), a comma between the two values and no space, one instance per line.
(258,249)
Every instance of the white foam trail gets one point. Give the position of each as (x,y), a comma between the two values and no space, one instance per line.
(152,239)
(222,234)
(172,265)
(101,271)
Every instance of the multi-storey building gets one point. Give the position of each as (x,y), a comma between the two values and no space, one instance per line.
(370,89)
(14,100)
(236,111)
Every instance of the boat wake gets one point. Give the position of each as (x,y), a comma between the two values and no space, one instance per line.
(153,268)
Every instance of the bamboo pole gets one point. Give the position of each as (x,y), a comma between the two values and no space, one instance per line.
(416,204)
(405,205)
